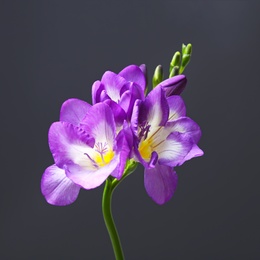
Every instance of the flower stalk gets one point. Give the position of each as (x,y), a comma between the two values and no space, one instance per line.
(110,186)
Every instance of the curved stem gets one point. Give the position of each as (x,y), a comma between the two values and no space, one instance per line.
(109,221)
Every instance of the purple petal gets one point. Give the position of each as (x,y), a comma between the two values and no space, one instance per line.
(113,84)
(67,142)
(174,85)
(155,108)
(186,126)
(173,150)
(57,188)
(73,111)
(123,149)
(135,116)
(97,88)
(91,179)
(176,107)
(194,152)
(134,74)
(160,183)
(119,113)
(99,123)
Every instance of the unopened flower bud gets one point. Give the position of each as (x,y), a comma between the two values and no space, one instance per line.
(158,75)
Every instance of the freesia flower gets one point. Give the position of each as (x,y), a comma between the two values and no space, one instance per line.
(86,150)
(164,138)
(122,89)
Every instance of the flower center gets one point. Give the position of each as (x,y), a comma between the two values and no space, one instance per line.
(145,149)
(102,155)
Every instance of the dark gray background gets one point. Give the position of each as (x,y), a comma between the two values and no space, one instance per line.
(55,50)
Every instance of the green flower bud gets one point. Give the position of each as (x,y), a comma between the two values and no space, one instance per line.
(176,60)
(158,75)
(186,54)
(174,71)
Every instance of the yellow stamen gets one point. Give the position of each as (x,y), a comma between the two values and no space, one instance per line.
(104,159)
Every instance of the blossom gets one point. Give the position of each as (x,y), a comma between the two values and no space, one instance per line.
(86,150)
(164,138)
(121,90)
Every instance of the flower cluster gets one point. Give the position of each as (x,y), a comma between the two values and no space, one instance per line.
(91,143)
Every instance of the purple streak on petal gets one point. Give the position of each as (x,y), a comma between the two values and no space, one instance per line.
(97,88)
(194,152)
(103,96)
(119,113)
(155,108)
(173,150)
(73,111)
(99,123)
(134,74)
(123,149)
(176,106)
(153,160)
(92,179)
(63,139)
(57,188)
(160,183)
(174,85)
(187,127)
(113,84)
(129,97)
(135,116)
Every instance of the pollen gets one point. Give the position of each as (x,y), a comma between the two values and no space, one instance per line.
(145,149)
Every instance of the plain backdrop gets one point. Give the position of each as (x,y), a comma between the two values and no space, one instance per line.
(54,50)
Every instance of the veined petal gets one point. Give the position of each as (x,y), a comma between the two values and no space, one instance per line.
(173,150)
(73,111)
(155,109)
(186,126)
(99,123)
(90,179)
(68,143)
(134,74)
(113,84)
(160,183)
(57,188)
(97,88)
(176,107)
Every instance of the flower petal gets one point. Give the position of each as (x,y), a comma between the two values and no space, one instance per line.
(134,74)
(57,188)
(99,123)
(176,107)
(68,143)
(119,113)
(97,88)
(194,152)
(91,179)
(113,84)
(186,126)
(173,150)
(160,183)
(155,108)
(73,111)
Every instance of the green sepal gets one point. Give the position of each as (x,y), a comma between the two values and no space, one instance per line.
(157,76)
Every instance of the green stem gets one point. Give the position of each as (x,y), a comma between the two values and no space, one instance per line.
(110,185)
(107,214)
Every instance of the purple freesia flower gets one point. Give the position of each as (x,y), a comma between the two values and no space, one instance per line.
(120,91)
(164,138)
(86,150)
